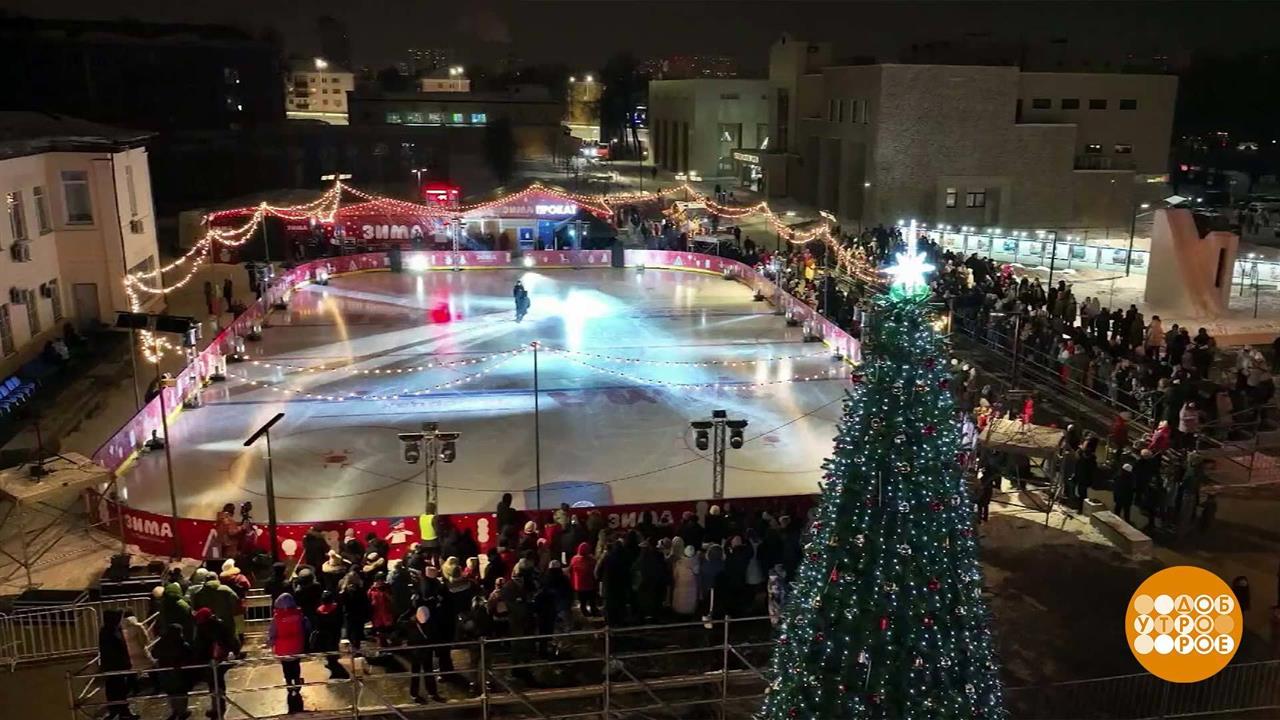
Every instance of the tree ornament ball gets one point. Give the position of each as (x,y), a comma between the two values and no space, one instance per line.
(918,662)
(856,378)
(890,587)
(928,621)
(904,467)
(833,541)
(900,438)
(884,622)
(820,637)
(903,506)
(945,661)
(859,539)
(930,430)
(933,584)
(863,658)
(969,689)
(904,549)
(877,423)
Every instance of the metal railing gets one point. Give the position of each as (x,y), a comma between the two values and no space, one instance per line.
(1249,687)
(72,630)
(635,672)
(596,673)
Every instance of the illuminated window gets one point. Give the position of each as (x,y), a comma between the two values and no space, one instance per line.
(457,119)
(1093,148)
(435,118)
(1123,149)
(394,117)
(479,118)
(414,118)
(952,197)
(975,199)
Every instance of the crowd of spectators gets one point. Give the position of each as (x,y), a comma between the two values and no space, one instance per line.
(539,579)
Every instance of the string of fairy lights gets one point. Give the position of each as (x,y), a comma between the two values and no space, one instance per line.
(326,207)
(505,357)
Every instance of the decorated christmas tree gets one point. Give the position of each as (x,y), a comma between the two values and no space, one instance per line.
(886,618)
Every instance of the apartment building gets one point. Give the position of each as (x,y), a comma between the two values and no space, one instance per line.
(965,144)
(78,217)
(316,90)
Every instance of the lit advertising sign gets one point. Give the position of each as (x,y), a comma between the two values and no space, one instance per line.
(555,209)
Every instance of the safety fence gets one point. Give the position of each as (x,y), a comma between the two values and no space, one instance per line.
(36,635)
(671,670)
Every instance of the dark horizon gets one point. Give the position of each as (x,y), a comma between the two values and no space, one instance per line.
(584,34)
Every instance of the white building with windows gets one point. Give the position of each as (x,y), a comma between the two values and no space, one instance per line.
(78,217)
(317,90)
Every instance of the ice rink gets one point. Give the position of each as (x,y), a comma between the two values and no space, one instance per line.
(370,355)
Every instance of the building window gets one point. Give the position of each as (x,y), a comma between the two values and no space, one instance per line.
(1097,104)
(414,118)
(952,197)
(1123,149)
(864,110)
(457,119)
(435,118)
(1129,104)
(6,331)
(1070,103)
(840,106)
(762,136)
(1041,103)
(831,110)
(1093,148)
(728,96)
(975,199)
(479,118)
(75,193)
(33,316)
(394,118)
(130,191)
(55,299)
(17,217)
(42,210)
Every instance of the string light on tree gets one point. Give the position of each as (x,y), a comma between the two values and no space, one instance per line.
(885,620)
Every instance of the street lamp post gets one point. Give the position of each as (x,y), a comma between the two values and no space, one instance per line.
(272,528)
(437,446)
(1133,228)
(537,433)
(712,434)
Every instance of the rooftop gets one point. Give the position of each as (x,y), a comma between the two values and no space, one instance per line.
(30,133)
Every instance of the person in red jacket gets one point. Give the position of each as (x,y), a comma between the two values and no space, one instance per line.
(582,577)
(287,637)
(382,614)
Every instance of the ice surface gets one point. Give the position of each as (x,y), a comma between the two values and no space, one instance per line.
(612,431)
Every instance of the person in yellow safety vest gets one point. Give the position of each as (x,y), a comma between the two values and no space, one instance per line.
(427,530)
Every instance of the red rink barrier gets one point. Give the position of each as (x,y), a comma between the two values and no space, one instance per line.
(153,532)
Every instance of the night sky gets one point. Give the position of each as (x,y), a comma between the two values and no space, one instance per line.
(583,33)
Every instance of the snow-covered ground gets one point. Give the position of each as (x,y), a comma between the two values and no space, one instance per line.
(612,430)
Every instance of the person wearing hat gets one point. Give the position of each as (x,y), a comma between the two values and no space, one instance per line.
(287,638)
(218,598)
(332,571)
(198,579)
(307,591)
(232,577)
(373,564)
(684,593)
(213,644)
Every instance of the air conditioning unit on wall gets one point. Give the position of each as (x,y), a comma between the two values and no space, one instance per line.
(20,252)
(135,227)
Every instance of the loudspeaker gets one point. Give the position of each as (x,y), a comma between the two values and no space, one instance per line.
(177,324)
(132,321)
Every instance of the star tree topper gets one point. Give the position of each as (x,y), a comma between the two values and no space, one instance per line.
(908,274)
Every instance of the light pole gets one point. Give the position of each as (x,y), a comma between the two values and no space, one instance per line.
(265,432)
(712,433)
(537,433)
(1053,254)
(436,445)
(417,174)
(1133,228)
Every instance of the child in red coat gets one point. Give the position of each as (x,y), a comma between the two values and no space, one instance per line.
(582,578)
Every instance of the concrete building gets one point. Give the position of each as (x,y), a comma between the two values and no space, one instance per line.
(442,80)
(535,117)
(965,144)
(317,90)
(79,217)
(698,125)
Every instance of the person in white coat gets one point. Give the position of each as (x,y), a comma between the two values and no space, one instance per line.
(138,641)
(684,593)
